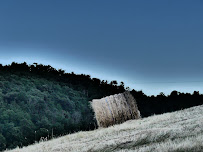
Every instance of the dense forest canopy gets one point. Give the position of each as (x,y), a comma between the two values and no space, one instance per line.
(39,101)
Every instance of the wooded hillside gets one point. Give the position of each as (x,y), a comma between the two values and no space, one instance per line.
(39,101)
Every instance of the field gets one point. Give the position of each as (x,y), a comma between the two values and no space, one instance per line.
(180,131)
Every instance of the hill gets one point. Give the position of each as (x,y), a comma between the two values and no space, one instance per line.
(37,101)
(174,132)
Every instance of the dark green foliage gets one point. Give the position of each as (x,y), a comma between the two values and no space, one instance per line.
(150,105)
(2,142)
(39,101)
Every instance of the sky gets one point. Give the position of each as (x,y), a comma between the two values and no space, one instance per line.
(154,46)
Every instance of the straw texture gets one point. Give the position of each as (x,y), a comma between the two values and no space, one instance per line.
(115,109)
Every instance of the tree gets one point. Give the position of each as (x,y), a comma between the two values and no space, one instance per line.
(2,142)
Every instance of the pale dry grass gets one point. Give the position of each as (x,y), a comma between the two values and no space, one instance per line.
(180,131)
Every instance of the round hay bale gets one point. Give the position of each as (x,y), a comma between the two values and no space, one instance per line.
(132,102)
(115,109)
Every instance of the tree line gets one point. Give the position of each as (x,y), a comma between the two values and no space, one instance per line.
(40,101)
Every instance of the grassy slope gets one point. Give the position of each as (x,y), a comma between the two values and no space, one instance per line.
(177,131)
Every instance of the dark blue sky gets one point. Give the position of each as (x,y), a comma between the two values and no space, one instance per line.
(152,46)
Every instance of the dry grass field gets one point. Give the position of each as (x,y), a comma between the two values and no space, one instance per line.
(180,131)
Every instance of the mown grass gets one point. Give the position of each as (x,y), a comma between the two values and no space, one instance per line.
(180,131)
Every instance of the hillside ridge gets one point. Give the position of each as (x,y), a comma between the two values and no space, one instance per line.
(38,101)
(174,132)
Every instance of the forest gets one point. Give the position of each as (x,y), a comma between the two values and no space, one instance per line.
(38,101)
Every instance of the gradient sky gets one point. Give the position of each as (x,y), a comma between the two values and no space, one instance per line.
(155,46)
